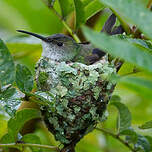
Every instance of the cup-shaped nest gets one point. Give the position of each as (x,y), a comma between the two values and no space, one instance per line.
(78,96)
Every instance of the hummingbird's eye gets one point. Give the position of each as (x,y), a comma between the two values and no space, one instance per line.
(60,44)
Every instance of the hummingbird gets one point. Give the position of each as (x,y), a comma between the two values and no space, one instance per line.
(62,48)
(59,54)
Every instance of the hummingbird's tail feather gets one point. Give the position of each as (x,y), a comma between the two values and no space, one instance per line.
(33,34)
(109,24)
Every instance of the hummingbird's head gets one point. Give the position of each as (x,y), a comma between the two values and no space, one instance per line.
(57,47)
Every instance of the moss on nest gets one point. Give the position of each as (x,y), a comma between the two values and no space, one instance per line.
(78,96)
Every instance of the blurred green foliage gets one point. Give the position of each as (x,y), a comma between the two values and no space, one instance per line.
(33,15)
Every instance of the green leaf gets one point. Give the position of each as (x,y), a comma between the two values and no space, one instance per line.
(3,113)
(120,48)
(66,7)
(146,125)
(6,94)
(139,85)
(149,138)
(139,42)
(13,20)
(86,2)
(143,143)
(7,67)
(7,138)
(146,44)
(3,127)
(115,98)
(10,100)
(33,139)
(26,51)
(134,12)
(24,78)
(124,116)
(132,136)
(79,13)
(16,123)
(92,8)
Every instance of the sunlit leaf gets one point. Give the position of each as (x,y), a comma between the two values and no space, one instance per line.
(92,8)
(120,48)
(79,13)
(3,127)
(21,117)
(124,121)
(16,123)
(20,17)
(146,125)
(66,7)
(26,51)
(7,67)
(11,20)
(141,86)
(3,114)
(7,138)
(134,12)
(24,78)
(33,139)
(115,98)
(86,2)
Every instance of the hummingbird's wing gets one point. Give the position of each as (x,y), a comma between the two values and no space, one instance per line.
(96,55)
(88,53)
(92,59)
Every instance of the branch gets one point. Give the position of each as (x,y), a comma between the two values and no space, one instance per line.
(30,145)
(117,137)
(76,38)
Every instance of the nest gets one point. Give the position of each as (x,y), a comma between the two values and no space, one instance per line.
(77,95)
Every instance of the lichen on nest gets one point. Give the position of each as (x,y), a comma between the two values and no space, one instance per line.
(78,96)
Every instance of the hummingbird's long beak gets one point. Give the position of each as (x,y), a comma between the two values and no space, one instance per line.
(33,34)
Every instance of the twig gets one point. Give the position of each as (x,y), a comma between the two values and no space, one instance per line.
(30,145)
(117,137)
(63,21)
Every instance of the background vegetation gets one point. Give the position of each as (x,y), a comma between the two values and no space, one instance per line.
(134,91)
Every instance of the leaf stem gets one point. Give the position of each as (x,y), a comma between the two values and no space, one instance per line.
(30,145)
(76,38)
(40,100)
(116,136)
